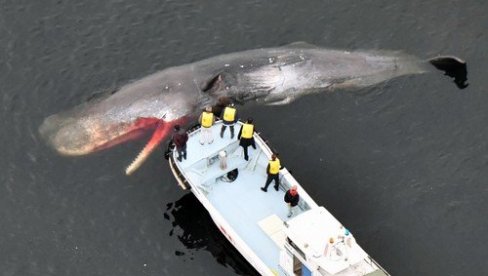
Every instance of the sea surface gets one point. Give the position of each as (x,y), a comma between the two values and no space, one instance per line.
(403,164)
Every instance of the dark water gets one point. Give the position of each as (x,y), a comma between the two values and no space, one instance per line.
(402,164)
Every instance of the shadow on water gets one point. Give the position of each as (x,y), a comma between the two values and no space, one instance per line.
(452,67)
(195,229)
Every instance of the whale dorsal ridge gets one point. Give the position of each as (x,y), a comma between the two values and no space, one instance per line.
(301,44)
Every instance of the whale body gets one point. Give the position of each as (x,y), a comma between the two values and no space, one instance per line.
(268,76)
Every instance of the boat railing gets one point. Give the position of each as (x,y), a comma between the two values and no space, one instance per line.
(287,181)
(380,268)
(182,181)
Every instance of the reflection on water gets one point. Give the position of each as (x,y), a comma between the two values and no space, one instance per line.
(193,226)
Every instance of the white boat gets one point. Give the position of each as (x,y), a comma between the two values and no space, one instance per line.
(256,222)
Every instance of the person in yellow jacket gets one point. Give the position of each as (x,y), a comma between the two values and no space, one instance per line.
(229,119)
(273,171)
(206,120)
(246,137)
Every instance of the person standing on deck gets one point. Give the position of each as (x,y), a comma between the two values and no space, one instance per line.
(246,137)
(180,137)
(292,198)
(273,171)
(229,119)
(206,120)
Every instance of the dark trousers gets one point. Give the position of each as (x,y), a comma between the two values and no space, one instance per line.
(246,156)
(272,177)
(181,153)
(246,143)
(222,130)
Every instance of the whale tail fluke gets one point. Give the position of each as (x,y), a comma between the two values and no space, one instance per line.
(453,67)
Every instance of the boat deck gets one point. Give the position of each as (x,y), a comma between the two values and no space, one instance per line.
(254,221)
(256,216)
(244,205)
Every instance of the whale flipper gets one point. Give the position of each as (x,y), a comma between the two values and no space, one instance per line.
(212,84)
(453,67)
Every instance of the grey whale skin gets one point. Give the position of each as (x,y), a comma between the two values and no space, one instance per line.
(268,76)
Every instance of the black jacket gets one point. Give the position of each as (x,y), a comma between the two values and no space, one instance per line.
(180,138)
(293,200)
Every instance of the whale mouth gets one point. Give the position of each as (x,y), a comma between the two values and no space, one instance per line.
(160,134)
(453,67)
(80,136)
(75,137)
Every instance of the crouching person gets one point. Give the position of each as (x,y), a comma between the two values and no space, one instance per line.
(292,198)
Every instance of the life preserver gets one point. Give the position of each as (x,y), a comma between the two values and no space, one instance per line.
(229,114)
(207,119)
(274,166)
(247,131)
